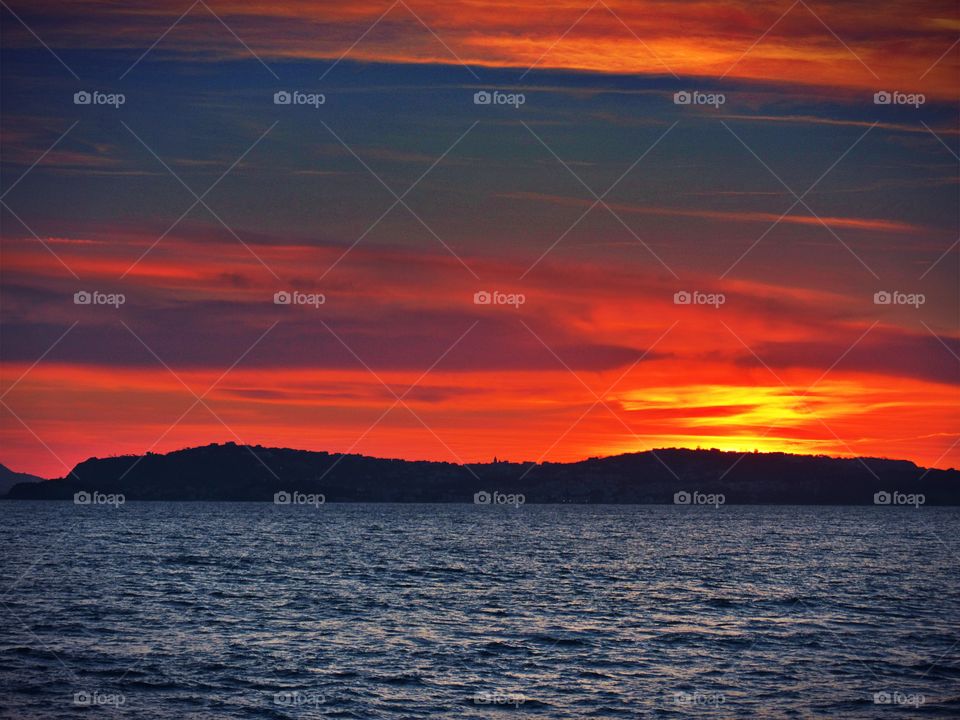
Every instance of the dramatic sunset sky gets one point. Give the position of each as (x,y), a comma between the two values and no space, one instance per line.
(398,199)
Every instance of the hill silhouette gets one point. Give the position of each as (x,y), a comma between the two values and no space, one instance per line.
(243,472)
(9,478)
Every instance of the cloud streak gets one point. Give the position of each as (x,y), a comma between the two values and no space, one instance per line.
(842,44)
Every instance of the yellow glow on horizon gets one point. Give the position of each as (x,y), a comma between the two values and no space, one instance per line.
(744,406)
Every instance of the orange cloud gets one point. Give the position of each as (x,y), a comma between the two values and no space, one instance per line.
(523,415)
(846,44)
(504,391)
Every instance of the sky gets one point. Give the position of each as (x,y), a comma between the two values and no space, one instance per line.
(773,266)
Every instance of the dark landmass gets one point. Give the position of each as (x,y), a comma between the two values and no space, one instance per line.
(9,478)
(241,472)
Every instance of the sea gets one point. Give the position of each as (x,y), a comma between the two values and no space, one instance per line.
(312,609)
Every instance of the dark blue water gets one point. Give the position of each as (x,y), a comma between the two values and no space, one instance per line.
(205,610)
